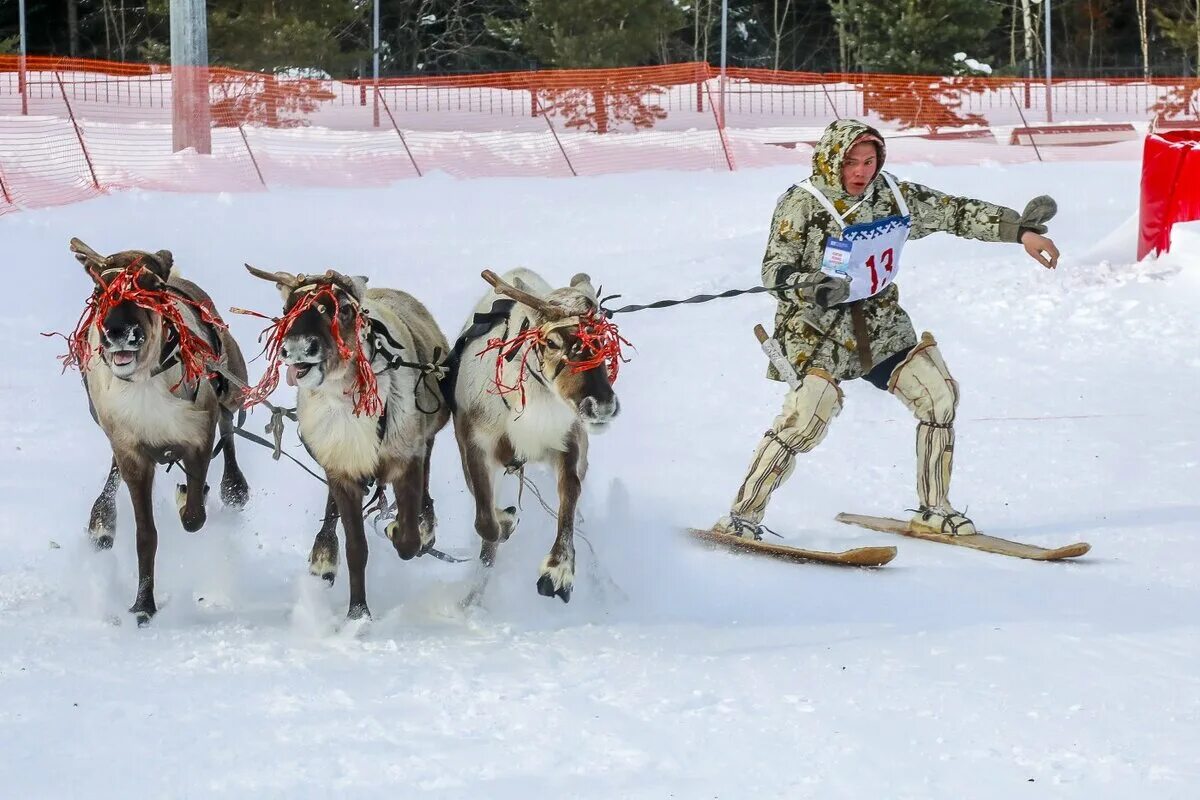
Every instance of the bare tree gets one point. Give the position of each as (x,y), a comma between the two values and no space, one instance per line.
(708,17)
(779,20)
(838,9)
(73,28)
(117,25)
(1144,36)
(1012,33)
(1027,24)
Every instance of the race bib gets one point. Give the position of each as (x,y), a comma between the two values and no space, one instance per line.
(871,255)
(867,254)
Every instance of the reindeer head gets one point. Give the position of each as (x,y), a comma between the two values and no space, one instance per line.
(320,335)
(126,330)
(572,346)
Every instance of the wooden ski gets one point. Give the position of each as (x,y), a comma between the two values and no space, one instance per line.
(978,541)
(859,557)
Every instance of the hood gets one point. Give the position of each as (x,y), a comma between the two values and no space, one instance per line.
(831,151)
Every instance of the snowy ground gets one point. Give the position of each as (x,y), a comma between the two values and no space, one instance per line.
(675,671)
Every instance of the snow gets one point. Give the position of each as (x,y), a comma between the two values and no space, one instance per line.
(675,671)
(970,63)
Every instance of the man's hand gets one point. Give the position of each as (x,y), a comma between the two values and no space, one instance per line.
(1040,248)
(820,289)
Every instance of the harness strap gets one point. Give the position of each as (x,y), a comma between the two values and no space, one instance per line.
(387,346)
(862,336)
(433,551)
(481,325)
(840,219)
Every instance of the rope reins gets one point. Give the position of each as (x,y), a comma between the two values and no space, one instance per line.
(275,428)
(700,298)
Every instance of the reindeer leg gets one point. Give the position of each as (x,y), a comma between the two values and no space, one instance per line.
(348,496)
(428,518)
(138,473)
(190,497)
(234,490)
(102,525)
(323,559)
(558,568)
(480,477)
(405,531)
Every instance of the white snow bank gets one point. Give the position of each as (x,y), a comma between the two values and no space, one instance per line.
(674,671)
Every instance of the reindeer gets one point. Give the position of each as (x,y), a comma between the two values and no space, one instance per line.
(145,346)
(363,415)
(548,383)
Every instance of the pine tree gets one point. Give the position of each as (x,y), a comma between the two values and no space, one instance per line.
(916,36)
(1179,22)
(598,33)
(272,35)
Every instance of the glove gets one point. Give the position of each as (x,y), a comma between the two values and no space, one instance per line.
(823,290)
(1038,212)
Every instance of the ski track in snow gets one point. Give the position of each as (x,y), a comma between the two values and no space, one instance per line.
(675,671)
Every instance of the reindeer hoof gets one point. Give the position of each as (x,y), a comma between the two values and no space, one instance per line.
(545,587)
(235,493)
(358,611)
(194,521)
(556,579)
(508,519)
(323,560)
(325,573)
(142,614)
(407,547)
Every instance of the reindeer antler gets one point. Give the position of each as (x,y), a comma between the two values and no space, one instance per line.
(351,286)
(282,278)
(548,309)
(80,249)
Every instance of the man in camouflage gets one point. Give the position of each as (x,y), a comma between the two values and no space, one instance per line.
(829,338)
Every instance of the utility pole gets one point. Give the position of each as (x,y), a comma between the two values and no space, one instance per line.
(724,37)
(191,124)
(22,82)
(375,61)
(1027,23)
(1049,61)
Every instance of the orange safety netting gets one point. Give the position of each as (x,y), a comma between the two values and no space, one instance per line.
(70,128)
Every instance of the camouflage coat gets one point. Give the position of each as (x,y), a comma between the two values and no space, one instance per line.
(799,231)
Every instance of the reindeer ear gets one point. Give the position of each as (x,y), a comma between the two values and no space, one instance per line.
(158,263)
(582,282)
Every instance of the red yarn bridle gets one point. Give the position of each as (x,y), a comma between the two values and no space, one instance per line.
(195,354)
(598,337)
(364,393)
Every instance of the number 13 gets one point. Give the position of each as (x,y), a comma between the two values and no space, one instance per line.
(887,257)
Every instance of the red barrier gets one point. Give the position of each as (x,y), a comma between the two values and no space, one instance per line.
(1170,187)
